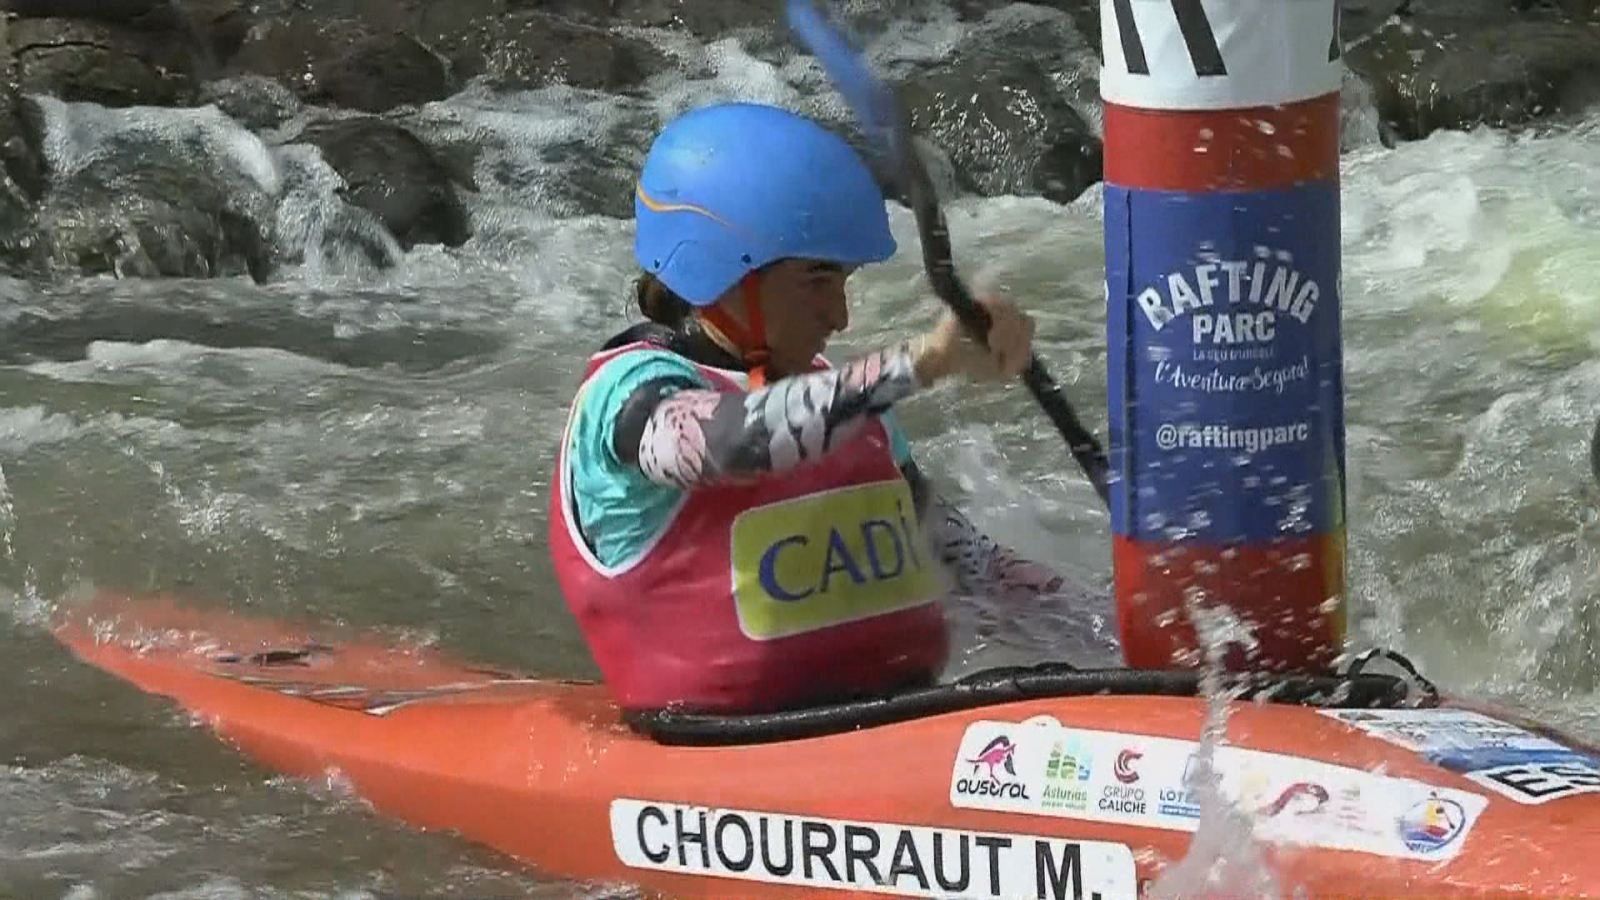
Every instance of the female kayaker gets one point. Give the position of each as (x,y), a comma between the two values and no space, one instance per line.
(736,526)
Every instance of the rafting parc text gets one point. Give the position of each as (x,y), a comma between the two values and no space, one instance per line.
(907,860)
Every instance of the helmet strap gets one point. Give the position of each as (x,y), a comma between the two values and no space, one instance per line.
(751,344)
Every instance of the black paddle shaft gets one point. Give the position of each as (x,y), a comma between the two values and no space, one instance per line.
(941,269)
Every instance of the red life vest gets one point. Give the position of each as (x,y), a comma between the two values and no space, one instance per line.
(810,584)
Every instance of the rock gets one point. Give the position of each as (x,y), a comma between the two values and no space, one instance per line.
(1005,139)
(1004,109)
(375,56)
(140,236)
(122,12)
(380,72)
(288,48)
(705,19)
(1085,16)
(314,227)
(254,101)
(113,65)
(23,178)
(390,172)
(217,27)
(212,29)
(1452,72)
(155,192)
(1359,18)
(529,50)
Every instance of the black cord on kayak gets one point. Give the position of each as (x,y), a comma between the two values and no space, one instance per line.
(1013,684)
(879,111)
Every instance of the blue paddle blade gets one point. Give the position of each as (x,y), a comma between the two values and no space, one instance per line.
(872,102)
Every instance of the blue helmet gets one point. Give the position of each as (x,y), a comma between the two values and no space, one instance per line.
(727,189)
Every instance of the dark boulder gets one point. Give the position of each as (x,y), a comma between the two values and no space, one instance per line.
(1467,65)
(391,173)
(22,168)
(99,62)
(209,30)
(380,72)
(157,193)
(1005,108)
(254,101)
(532,49)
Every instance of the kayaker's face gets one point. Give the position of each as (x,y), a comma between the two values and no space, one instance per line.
(803,303)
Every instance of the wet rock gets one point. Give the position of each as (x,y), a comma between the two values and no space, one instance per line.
(1005,110)
(141,192)
(1006,139)
(216,27)
(1085,16)
(121,11)
(314,227)
(391,173)
(1451,71)
(702,18)
(529,50)
(142,236)
(1359,18)
(287,48)
(254,101)
(23,178)
(212,29)
(113,65)
(381,72)
(1482,12)
(375,56)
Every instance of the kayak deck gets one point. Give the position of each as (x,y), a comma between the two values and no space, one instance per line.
(987,792)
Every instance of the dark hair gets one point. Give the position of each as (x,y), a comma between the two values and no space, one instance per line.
(658,303)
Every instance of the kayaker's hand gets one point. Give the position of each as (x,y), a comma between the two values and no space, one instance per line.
(947,350)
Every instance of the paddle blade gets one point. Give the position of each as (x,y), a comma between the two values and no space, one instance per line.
(872,102)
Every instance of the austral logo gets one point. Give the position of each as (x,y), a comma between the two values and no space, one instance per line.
(994,772)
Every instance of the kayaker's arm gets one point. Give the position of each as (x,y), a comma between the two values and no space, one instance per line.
(684,436)
(979,563)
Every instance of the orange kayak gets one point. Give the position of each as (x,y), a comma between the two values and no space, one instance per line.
(1046,784)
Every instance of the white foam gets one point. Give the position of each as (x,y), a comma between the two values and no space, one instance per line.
(78,136)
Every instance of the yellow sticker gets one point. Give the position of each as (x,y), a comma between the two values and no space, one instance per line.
(821,560)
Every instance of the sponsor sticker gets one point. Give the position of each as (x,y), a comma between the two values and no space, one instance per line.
(810,563)
(878,857)
(1154,782)
(1224,345)
(1505,758)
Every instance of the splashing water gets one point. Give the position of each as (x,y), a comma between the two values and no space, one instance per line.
(1224,862)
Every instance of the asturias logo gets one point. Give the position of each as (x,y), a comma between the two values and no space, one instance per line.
(1124,769)
(999,754)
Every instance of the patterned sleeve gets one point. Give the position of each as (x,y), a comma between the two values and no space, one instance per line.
(686,438)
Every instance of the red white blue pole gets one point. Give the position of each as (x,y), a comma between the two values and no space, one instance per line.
(1223,306)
